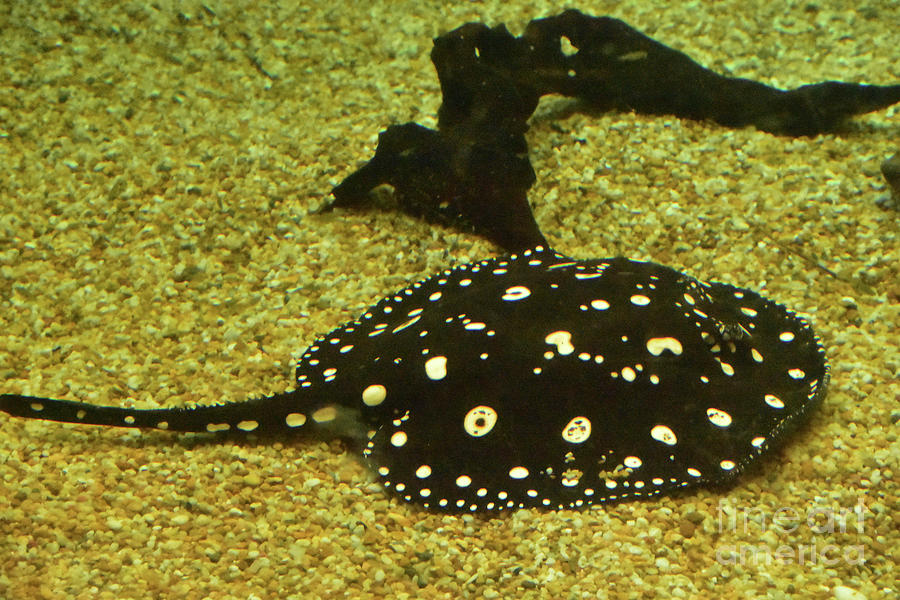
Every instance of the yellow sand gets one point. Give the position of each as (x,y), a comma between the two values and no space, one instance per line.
(161,164)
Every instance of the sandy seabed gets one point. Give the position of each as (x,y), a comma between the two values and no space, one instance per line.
(160,245)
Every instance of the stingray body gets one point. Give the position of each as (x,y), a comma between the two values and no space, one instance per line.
(535,380)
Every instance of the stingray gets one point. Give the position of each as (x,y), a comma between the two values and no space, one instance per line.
(533,380)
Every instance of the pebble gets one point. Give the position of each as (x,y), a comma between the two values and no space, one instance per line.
(842,592)
(848,302)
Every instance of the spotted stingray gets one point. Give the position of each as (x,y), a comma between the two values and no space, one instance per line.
(535,380)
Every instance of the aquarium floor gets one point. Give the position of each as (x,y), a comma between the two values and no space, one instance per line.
(162,244)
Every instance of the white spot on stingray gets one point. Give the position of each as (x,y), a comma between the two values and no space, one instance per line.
(295,419)
(424,492)
(214,427)
(480,420)
(774,401)
(325,414)
(693,472)
(727,465)
(36,406)
(577,430)
(718,417)
(756,355)
(434,296)
(588,275)
(398,439)
(423,472)
(658,345)
(663,434)
(474,326)
(129,420)
(463,481)
(436,367)
(599,304)
(406,324)
(757,442)
(786,336)
(383,471)
(561,265)
(632,462)
(727,368)
(749,311)
(374,395)
(345,349)
(465,282)
(796,373)
(640,300)
(248,425)
(689,299)
(516,292)
(562,340)
(628,374)
(518,472)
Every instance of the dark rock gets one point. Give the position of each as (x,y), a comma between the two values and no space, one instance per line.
(473,173)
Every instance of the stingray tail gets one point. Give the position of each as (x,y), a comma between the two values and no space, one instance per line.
(276,414)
